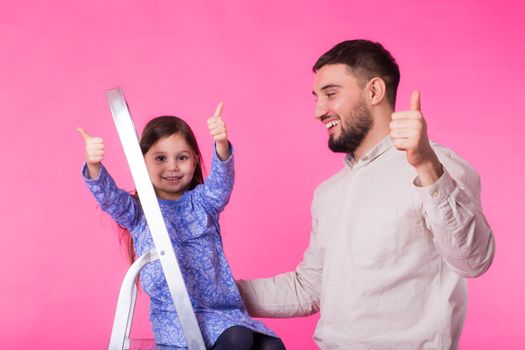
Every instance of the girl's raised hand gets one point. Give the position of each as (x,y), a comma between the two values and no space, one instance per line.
(218,131)
(94,152)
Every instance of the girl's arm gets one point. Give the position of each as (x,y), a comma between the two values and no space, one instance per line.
(119,204)
(219,183)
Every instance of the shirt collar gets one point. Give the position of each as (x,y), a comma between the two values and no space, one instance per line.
(381,147)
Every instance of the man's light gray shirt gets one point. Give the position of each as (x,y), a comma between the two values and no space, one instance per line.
(387,258)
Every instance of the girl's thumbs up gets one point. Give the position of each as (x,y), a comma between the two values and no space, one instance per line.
(218,110)
(94,152)
(84,134)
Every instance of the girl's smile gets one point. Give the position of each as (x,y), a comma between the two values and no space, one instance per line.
(172,178)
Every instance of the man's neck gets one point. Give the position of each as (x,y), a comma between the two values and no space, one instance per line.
(379,131)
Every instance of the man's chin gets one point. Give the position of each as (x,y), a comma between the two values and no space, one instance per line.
(337,147)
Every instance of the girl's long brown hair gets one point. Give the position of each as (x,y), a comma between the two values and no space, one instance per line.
(156,129)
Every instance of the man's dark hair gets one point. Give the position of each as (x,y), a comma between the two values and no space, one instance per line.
(365,59)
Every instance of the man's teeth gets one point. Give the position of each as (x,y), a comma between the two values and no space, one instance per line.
(332,124)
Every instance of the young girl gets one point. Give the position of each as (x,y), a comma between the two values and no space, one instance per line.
(191,208)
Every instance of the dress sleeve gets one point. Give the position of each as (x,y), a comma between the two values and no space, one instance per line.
(218,186)
(453,213)
(292,294)
(119,204)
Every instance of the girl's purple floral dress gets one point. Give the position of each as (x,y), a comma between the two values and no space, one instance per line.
(193,225)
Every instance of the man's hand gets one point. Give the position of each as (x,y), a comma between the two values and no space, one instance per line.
(94,152)
(408,130)
(218,132)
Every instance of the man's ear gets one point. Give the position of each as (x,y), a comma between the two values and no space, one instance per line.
(376,90)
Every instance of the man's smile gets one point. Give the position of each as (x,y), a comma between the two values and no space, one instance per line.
(331,124)
(330,121)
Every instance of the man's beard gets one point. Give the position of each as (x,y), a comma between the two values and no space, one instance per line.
(353,130)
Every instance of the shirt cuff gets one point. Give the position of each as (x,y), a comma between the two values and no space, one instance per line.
(439,191)
(85,172)
(216,156)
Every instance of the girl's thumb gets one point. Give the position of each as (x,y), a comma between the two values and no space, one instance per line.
(84,134)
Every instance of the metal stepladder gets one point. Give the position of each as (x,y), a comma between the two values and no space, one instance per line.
(163,250)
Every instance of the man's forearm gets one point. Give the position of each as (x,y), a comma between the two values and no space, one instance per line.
(460,230)
(283,295)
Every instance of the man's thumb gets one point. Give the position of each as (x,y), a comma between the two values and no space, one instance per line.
(415,101)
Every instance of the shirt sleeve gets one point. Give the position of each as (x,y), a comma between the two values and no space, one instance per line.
(292,294)
(218,186)
(119,204)
(453,213)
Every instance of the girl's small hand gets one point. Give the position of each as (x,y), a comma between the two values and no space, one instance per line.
(94,152)
(218,131)
(217,126)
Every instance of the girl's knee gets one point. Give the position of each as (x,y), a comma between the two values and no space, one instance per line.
(266,342)
(235,338)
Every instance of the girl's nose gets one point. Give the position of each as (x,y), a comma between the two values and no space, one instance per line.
(173,165)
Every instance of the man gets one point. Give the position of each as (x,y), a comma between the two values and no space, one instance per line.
(394,233)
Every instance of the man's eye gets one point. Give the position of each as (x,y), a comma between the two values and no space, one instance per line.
(330,94)
(160,158)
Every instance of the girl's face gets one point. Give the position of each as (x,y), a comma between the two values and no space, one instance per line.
(171,163)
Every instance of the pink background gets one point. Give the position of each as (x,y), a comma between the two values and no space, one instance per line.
(61,261)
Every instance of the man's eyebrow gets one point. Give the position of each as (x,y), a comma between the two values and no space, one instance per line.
(327,86)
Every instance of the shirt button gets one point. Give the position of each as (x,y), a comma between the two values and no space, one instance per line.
(435,194)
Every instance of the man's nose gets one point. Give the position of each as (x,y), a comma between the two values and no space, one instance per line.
(320,109)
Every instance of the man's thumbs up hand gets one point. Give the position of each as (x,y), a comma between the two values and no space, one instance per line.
(408,131)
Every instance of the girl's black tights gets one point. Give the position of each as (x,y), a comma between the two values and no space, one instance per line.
(242,338)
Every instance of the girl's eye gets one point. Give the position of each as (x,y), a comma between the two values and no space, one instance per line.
(160,158)
(182,157)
